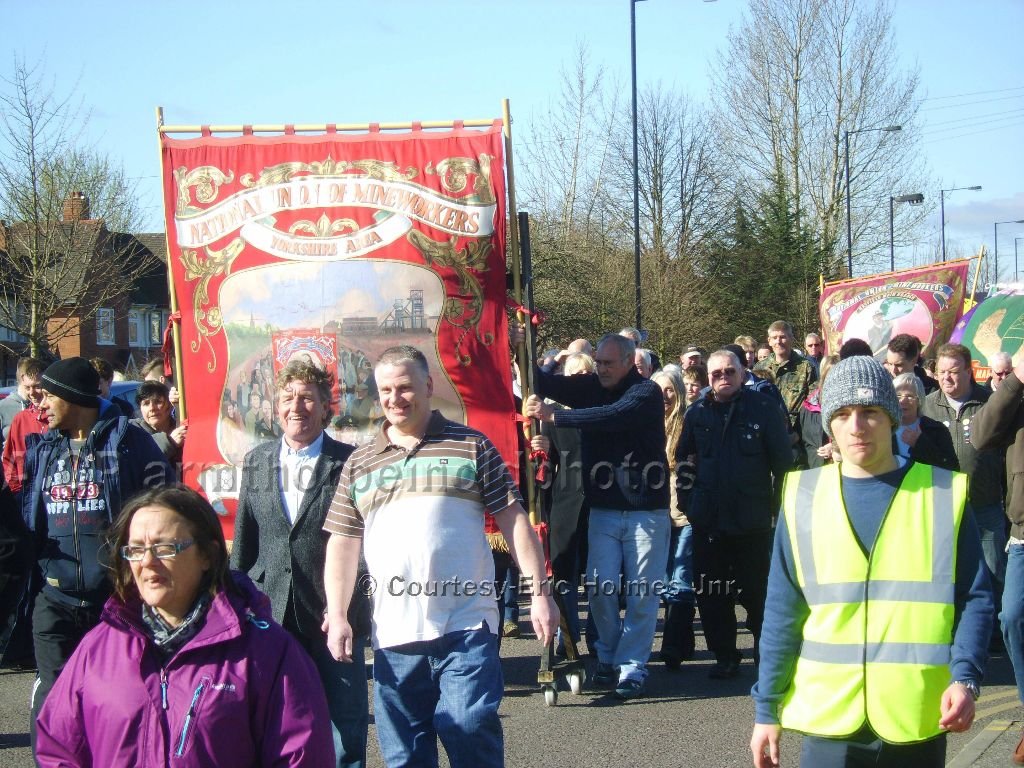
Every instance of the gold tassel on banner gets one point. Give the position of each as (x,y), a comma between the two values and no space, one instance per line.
(497,542)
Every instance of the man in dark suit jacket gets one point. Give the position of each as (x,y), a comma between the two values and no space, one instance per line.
(287,486)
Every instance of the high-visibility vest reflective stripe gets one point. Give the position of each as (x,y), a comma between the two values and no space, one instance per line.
(876,644)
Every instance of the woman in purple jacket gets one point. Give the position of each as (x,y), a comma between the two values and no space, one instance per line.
(186,667)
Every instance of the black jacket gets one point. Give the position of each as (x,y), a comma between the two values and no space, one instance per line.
(741,452)
(287,561)
(935,446)
(623,437)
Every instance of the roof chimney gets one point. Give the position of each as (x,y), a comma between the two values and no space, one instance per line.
(76,207)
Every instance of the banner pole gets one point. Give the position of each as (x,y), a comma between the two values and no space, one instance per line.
(977,270)
(322,127)
(523,362)
(175,326)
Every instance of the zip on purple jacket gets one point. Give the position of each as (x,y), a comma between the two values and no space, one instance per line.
(242,692)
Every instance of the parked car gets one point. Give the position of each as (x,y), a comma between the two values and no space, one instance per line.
(125,390)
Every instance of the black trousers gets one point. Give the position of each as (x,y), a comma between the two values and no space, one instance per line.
(867,750)
(57,629)
(729,570)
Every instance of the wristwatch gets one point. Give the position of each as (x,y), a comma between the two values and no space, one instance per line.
(971,686)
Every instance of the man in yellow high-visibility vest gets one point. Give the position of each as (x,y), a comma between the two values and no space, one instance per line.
(879,607)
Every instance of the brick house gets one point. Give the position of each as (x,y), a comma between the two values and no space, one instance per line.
(125,328)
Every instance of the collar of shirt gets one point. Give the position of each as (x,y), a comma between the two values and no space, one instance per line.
(435,427)
(311,451)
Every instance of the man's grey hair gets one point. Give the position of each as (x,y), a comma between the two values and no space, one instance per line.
(631,333)
(405,355)
(625,345)
(781,325)
(813,335)
(909,380)
(727,354)
(1000,357)
(645,355)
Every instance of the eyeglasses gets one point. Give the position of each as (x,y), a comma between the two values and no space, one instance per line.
(725,373)
(163,550)
(904,397)
(1001,374)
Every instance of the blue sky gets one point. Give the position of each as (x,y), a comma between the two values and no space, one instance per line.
(401,60)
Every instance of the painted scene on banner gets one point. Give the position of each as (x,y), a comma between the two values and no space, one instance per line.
(924,301)
(330,249)
(994,325)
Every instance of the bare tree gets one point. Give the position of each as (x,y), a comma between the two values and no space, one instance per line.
(64,207)
(681,210)
(796,75)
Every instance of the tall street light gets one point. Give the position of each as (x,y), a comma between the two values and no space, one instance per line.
(995,237)
(942,205)
(636,166)
(849,221)
(636,163)
(915,198)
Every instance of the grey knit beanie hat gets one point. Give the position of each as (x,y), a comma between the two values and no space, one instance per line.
(858,380)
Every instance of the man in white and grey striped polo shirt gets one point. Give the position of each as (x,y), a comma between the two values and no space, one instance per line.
(415,498)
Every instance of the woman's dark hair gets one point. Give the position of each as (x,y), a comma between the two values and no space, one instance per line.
(202,521)
(148,389)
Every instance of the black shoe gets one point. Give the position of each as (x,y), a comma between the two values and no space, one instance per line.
(725,670)
(629,689)
(670,660)
(605,676)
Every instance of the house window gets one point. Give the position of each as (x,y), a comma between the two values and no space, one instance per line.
(105,326)
(156,329)
(136,329)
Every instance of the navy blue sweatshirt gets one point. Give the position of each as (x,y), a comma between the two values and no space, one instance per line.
(786,610)
(623,437)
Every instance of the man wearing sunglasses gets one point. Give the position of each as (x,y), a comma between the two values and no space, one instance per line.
(730,463)
(1001,366)
(76,476)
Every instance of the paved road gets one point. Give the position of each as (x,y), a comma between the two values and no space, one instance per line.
(685,719)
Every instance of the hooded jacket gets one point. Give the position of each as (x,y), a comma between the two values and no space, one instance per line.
(68,505)
(240,693)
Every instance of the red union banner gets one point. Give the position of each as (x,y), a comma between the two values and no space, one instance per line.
(925,302)
(332,248)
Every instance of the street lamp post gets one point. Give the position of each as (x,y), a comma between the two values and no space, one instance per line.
(995,238)
(942,205)
(636,162)
(849,221)
(636,166)
(915,198)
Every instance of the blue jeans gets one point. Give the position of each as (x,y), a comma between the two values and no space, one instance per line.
(510,611)
(1011,618)
(865,748)
(448,688)
(347,702)
(991,522)
(632,544)
(679,589)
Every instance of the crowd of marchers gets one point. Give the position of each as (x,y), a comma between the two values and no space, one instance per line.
(866,514)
